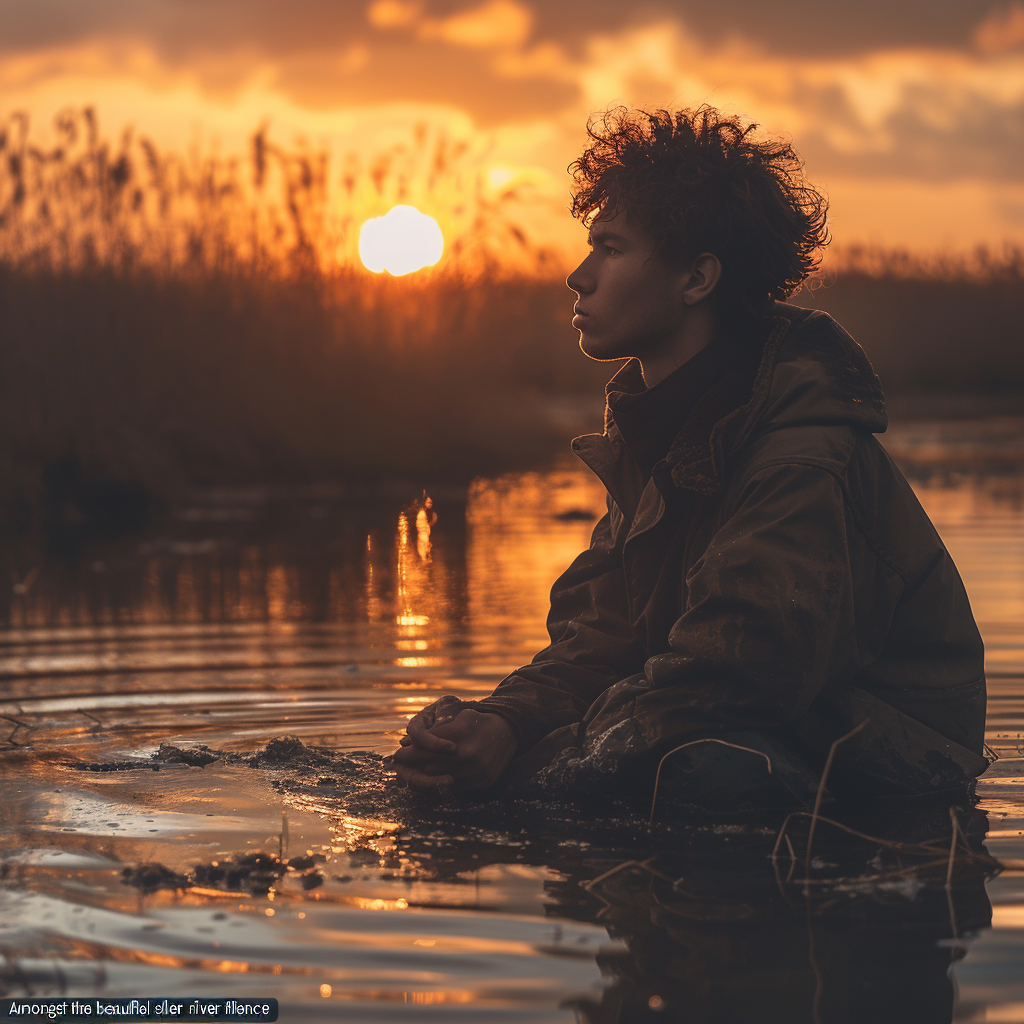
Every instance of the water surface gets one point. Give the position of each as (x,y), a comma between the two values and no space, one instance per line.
(333,618)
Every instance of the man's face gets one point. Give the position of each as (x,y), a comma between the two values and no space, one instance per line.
(630,301)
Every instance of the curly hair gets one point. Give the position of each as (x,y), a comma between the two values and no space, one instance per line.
(700,182)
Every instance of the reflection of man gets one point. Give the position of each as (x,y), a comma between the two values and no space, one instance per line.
(764,570)
(722,943)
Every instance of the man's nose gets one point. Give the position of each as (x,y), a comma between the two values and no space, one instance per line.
(580,281)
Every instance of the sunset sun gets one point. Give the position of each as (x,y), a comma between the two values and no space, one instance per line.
(401,242)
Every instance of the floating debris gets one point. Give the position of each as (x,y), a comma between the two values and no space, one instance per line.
(254,873)
(133,764)
(196,757)
(151,877)
(305,863)
(291,752)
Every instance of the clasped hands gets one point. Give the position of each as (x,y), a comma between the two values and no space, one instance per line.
(448,744)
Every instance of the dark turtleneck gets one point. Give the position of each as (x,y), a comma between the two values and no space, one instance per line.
(650,418)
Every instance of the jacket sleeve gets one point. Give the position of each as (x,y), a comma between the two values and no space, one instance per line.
(768,612)
(592,645)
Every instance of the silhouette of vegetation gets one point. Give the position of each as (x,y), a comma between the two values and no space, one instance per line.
(172,322)
(84,203)
(946,326)
(177,321)
(173,382)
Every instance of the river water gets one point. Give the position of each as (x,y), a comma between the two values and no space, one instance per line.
(296,872)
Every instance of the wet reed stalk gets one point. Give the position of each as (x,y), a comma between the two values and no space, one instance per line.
(823,782)
(683,746)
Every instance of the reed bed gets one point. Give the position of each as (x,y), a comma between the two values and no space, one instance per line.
(168,383)
(172,321)
(83,202)
(947,325)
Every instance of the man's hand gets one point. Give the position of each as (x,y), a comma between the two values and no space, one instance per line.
(449,745)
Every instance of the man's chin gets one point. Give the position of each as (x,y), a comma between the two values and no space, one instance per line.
(602,351)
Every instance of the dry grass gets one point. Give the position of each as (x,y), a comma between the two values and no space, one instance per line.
(84,203)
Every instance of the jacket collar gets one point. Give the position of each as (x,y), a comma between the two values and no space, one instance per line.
(821,359)
(719,424)
(650,418)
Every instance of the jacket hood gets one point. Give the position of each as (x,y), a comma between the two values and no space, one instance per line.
(811,373)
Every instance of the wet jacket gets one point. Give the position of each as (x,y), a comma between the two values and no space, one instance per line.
(774,571)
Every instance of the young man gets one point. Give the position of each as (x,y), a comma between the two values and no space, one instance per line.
(765,582)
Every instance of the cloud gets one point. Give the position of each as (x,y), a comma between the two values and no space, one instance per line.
(929,114)
(1001,30)
(934,112)
(494,24)
(800,28)
(393,13)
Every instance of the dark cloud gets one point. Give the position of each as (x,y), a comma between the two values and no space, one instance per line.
(934,133)
(785,27)
(178,28)
(28,24)
(325,53)
(401,70)
(982,142)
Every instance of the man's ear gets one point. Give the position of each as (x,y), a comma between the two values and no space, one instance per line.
(700,282)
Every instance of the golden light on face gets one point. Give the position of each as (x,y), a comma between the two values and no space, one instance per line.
(401,242)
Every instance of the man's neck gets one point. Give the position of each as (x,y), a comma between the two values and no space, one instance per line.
(696,331)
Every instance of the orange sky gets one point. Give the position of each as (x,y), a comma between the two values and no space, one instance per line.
(911,116)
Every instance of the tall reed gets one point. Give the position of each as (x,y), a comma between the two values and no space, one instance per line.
(85,202)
